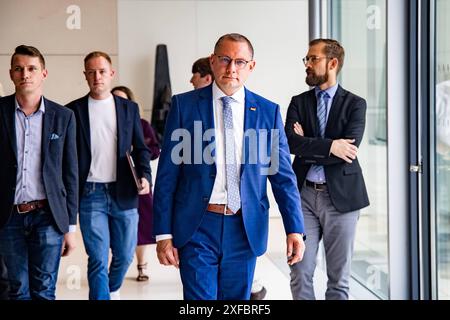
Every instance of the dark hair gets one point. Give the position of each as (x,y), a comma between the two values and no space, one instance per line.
(125,90)
(95,54)
(28,51)
(234,37)
(332,49)
(203,67)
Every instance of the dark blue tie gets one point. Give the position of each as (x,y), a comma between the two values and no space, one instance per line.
(233,196)
(322,101)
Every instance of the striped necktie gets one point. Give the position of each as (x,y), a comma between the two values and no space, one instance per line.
(322,101)
(233,196)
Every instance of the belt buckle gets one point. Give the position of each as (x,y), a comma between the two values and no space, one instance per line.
(318,186)
(21,212)
(225,211)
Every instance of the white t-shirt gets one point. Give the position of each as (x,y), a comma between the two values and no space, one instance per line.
(103,124)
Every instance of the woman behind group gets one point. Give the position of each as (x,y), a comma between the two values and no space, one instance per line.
(145,209)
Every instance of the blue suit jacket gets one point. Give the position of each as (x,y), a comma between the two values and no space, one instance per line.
(182,191)
(129,133)
(59,164)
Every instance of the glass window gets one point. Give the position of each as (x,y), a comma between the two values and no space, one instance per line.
(360,26)
(442,148)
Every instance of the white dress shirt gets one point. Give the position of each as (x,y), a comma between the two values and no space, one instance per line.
(219,192)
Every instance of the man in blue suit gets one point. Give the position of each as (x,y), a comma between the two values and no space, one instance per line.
(39,181)
(107,127)
(210,206)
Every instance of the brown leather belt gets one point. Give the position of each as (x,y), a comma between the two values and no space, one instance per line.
(316,186)
(220,209)
(30,206)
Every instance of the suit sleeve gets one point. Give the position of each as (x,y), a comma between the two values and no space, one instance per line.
(284,182)
(167,175)
(314,150)
(140,151)
(70,170)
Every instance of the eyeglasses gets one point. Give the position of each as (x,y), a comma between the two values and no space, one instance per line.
(312,59)
(225,61)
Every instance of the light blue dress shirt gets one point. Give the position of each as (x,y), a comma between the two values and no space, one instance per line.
(29,185)
(318,176)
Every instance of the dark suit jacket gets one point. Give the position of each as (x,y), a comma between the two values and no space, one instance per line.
(346,120)
(59,165)
(129,133)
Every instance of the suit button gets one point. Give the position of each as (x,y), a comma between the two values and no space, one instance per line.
(212,175)
(205,199)
(14,188)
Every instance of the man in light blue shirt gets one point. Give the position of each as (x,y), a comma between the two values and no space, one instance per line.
(39,189)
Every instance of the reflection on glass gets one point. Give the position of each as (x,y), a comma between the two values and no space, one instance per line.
(443,148)
(361,28)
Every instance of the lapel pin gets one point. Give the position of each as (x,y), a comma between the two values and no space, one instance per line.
(252,108)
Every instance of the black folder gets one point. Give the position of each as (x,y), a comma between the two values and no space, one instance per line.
(133,172)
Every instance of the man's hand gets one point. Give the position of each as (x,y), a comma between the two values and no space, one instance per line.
(167,253)
(145,185)
(69,244)
(344,149)
(295,248)
(298,129)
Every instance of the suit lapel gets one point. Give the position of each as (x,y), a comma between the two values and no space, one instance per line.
(251,115)
(312,101)
(206,112)
(10,122)
(83,109)
(205,108)
(121,118)
(334,109)
(47,128)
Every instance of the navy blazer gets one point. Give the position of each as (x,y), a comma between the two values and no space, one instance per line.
(183,190)
(346,120)
(129,137)
(59,164)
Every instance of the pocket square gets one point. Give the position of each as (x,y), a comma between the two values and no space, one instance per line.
(54,136)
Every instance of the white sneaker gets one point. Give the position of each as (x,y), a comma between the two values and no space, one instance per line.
(115,295)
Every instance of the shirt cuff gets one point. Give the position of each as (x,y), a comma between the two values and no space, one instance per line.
(160,237)
(73,228)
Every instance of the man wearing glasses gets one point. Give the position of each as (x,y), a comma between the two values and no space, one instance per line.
(324,127)
(211,207)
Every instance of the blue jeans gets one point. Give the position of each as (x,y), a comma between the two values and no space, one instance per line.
(103,226)
(31,248)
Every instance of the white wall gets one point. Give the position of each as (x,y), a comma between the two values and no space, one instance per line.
(47,25)
(278,31)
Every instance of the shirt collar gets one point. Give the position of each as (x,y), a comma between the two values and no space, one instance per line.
(331,90)
(41,106)
(239,95)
